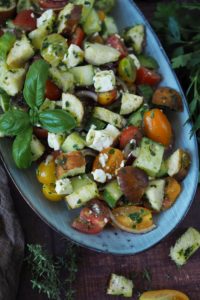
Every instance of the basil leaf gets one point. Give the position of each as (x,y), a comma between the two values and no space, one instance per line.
(57,120)
(34,88)
(6,42)
(13,122)
(21,149)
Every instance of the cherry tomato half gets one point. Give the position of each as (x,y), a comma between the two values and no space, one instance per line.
(78,37)
(113,160)
(46,172)
(107,98)
(50,193)
(93,218)
(7,13)
(25,20)
(129,133)
(164,294)
(52,91)
(134,219)
(157,127)
(146,76)
(54,4)
(116,42)
(41,133)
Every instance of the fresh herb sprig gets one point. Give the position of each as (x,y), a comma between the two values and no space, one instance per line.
(181,39)
(19,124)
(46,271)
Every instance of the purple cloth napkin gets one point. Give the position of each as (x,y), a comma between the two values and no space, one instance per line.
(11,243)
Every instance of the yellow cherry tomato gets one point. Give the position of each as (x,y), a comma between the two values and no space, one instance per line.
(50,193)
(163,295)
(46,172)
(107,98)
(133,219)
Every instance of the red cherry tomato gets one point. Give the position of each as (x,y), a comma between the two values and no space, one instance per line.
(129,133)
(146,76)
(93,218)
(54,4)
(78,37)
(26,20)
(7,13)
(52,92)
(85,226)
(116,42)
(41,133)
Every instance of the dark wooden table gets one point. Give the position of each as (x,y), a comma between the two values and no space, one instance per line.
(95,268)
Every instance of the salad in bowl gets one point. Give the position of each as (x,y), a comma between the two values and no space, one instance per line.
(85,103)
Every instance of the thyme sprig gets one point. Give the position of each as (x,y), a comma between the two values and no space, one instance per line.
(46,271)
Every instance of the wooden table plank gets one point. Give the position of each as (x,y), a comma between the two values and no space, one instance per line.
(95,268)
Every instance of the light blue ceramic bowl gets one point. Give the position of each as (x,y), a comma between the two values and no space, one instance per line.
(111,240)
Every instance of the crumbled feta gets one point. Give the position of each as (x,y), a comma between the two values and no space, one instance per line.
(109,176)
(122,164)
(101,139)
(99,175)
(136,60)
(74,56)
(45,18)
(103,157)
(63,186)
(104,81)
(55,140)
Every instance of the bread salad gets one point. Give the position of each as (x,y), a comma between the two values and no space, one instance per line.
(84,102)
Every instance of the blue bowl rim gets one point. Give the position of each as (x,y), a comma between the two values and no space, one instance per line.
(196,179)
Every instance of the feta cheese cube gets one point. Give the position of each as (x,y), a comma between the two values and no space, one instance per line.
(64,187)
(55,140)
(104,81)
(101,139)
(74,57)
(99,175)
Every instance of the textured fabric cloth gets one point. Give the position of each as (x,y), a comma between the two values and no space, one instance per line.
(11,243)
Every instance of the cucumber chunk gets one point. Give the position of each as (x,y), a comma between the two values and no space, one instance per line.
(136,118)
(185,246)
(120,286)
(37,148)
(109,117)
(84,189)
(155,193)
(112,193)
(150,157)
(136,37)
(97,54)
(92,24)
(73,142)
(83,75)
